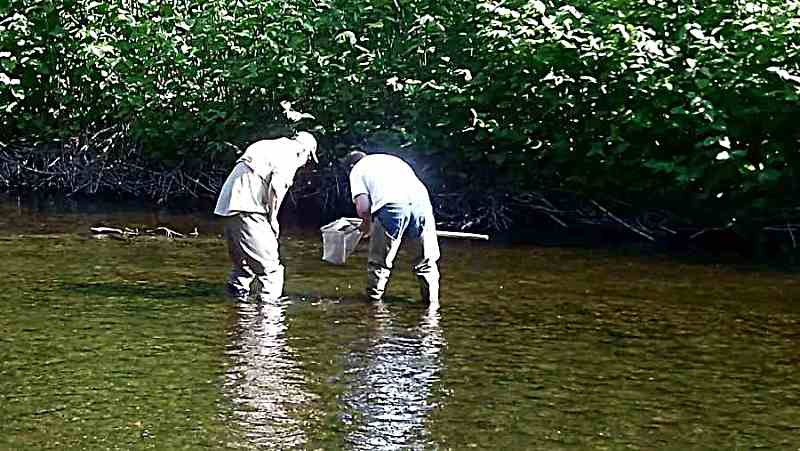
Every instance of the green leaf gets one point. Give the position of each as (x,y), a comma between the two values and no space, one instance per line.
(596,149)
(769,175)
(660,166)
(701,83)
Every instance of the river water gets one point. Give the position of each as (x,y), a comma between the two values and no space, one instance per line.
(108,344)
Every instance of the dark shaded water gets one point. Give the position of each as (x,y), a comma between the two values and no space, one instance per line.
(131,345)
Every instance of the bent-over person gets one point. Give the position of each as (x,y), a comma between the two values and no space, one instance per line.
(394,205)
(249,200)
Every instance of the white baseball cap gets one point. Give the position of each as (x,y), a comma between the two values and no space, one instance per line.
(309,143)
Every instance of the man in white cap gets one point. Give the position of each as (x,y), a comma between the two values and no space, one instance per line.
(249,201)
(394,204)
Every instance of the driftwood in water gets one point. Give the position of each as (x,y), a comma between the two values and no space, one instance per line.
(102,232)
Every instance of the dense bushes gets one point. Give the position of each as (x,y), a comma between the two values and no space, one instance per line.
(690,105)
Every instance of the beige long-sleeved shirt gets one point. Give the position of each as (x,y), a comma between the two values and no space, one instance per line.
(266,169)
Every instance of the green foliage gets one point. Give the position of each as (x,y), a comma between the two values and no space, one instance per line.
(694,101)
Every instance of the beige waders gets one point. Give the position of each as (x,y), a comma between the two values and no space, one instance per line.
(383,250)
(253,248)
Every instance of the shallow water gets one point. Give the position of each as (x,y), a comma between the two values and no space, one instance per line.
(109,344)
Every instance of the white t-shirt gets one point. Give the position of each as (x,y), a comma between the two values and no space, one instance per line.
(385,179)
(265,164)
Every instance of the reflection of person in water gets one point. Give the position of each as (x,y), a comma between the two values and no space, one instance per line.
(265,382)
(390,395)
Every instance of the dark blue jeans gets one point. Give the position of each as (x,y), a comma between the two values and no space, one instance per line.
(402,219)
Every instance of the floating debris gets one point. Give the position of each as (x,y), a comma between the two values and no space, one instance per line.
(124,233)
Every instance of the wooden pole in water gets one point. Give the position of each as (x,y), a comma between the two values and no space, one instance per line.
(463,235)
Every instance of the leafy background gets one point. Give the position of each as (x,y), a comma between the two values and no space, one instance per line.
(690,106)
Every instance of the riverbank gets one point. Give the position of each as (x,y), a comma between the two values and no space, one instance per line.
(101,170)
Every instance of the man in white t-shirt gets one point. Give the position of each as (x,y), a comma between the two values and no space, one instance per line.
(394,204)
(249,200)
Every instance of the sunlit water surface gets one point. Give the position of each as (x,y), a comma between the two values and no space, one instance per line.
(108,344)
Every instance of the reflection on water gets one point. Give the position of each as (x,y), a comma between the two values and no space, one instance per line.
(121,344)
(389,374)
(265,382)
(390,384)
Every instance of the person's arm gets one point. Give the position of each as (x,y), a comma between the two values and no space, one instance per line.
(363,210)
(277,190)
(274,205)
